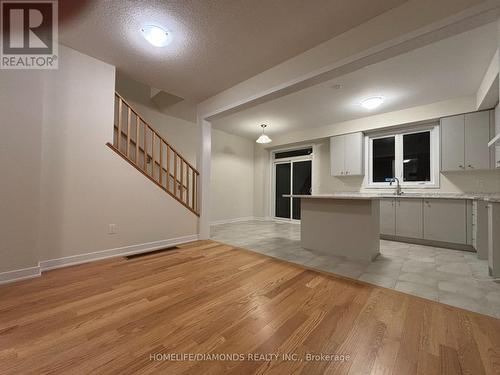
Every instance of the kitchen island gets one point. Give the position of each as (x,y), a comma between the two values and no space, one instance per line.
(341,224)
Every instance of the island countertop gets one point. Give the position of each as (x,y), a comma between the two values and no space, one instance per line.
(354,195)
(336,196)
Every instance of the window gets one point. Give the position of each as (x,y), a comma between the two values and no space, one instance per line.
(417,156)
(384,154)
(410,155)
(293,153)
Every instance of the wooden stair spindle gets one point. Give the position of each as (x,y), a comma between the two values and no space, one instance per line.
(182,180)
(168,167)
(145,148)
(161,162)
(182,184)
(193,184)
(129,121)
(119,133)
(153,160)
(175,175)
(137,139)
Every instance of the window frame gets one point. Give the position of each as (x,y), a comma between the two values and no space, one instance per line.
(398,134)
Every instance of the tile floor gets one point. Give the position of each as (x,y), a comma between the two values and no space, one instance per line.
(452,277)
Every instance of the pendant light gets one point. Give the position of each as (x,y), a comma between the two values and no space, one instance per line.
(263,138)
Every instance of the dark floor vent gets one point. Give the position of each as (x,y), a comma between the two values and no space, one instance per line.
(140,255)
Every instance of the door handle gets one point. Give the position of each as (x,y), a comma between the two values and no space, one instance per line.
(470,166)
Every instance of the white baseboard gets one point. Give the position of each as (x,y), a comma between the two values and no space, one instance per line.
(45,265)
(17,275)
(51,264)
(236,220)
(262,218)
(249,218)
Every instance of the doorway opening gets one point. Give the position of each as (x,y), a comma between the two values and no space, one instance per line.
(292,174)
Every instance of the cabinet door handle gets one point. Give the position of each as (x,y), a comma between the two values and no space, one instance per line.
(341,172)
(461,166)
(470,166)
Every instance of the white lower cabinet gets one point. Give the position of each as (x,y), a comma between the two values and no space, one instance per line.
(442,220)
(409,218)
(388,216)
(445,220)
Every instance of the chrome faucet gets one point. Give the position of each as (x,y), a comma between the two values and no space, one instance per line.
(398,186)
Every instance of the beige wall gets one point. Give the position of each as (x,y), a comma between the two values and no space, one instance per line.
(85,185)
(232,180)
(410,115)
(20,152)
(62,185)
(262,182)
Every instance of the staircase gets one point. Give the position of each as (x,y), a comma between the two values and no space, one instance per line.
(139,144)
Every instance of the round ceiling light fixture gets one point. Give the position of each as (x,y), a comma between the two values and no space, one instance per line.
(156,35)
(263,137)
(372,102)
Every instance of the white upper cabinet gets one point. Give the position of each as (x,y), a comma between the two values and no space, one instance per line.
(354,154)
(477,136)
(346,155)
(453,143)
(337,146)
(464,142)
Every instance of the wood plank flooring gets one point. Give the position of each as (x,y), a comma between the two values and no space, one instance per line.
(124,316)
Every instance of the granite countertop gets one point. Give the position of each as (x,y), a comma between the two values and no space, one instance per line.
(356,196)
(489,197)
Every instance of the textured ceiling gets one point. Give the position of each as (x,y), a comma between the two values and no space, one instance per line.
(216,43)
(447,69)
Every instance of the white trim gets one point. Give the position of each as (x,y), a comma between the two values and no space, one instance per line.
(235,220)
(46,265)
(18,275)
(434,183)
(241,219)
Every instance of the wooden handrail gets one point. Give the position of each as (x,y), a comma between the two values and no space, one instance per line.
(154,131)
(184,189)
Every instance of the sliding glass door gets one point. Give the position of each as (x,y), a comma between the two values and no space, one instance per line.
(291,177)
(283,208)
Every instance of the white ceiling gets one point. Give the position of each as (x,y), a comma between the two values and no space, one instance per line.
(447,69)
(216,43)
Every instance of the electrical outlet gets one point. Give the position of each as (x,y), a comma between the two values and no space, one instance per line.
(112,229)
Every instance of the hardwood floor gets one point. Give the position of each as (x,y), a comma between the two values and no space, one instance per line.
(113,316)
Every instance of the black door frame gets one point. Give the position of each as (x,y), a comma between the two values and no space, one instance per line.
(273,185)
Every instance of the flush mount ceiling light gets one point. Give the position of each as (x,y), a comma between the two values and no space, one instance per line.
(263,138)
(156,35)
(372,102)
